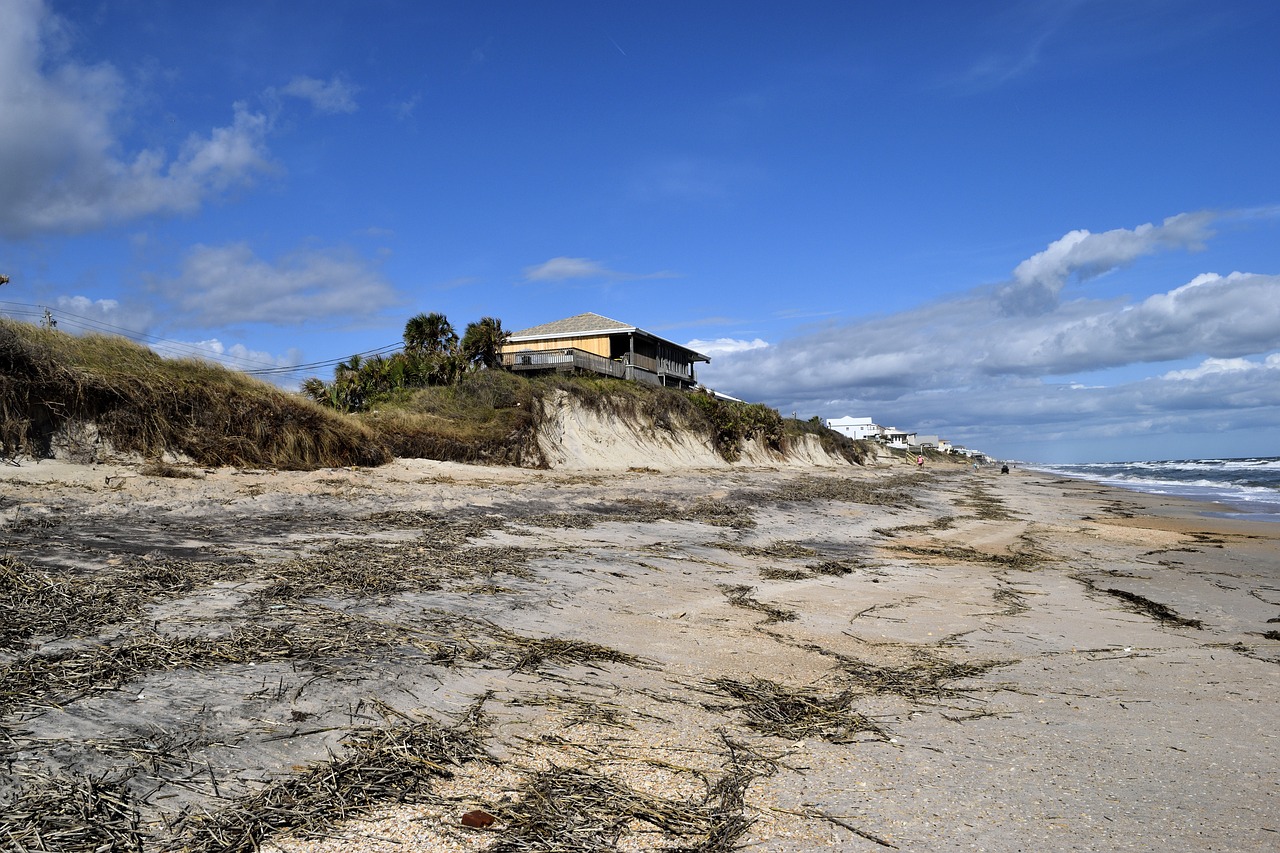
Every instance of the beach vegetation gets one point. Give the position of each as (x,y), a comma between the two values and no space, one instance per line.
(96,393)
(442,397)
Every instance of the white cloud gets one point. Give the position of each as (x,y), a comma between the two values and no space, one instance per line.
(972,370)
(725,346)
(236,356)
(1214,367)
(1038,280)
(231,284)
(563,269)
(63,166)
(83,306)
(332,98)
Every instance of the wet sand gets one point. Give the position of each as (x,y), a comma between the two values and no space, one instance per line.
(837,659)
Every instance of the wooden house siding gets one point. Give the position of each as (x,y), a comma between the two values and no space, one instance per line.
(598,344)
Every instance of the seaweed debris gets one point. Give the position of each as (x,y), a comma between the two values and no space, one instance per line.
(794,713)
(740,596)
(83,814)
(35,603)
(894,492)
(314,635)
(1141,604)
(779,549)
(381,765)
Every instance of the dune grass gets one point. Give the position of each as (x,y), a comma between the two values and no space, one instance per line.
(100,394)
(92,397)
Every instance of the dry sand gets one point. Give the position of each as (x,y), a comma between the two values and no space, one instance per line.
(785,660)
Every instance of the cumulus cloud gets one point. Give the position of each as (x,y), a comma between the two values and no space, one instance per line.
(63,167)
(237,356)
(564,269)
(332,98)
(228,284)
(725,346)
(1038,280)
(968,369)
(83,306)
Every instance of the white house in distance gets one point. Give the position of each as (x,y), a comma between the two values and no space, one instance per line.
(862,428)
(855,428)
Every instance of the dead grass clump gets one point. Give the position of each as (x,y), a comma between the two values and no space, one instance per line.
(82,814)
(895,492)
(160,468)
(836,568)
(364,568)
(717,513)
(1020,560)
(34,603)
(315,635)
(577,810)
(740,596)
(794,713)
(927,677)
(1161,612)
(777,573)
(580,711)
(943,522)
(985,505)
(395,764)
(530,654)
(441,531)
(774,550)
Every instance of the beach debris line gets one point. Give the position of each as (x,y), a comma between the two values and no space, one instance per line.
(894,491)
(1141,604)
(1023,560)
(740,596)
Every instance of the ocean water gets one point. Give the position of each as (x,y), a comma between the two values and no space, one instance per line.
(1250,487)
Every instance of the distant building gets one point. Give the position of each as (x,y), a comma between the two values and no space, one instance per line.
(855,428)
(895,437)
(597,344)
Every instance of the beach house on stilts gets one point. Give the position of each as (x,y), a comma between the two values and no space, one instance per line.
(597,344)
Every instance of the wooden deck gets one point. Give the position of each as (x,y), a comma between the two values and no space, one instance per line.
(633,366)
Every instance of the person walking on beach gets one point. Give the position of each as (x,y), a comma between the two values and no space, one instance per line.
(920,461)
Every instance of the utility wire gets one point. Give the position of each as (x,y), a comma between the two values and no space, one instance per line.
(179,349)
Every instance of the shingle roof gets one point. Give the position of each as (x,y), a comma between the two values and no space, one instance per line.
(576,325)
(590,324)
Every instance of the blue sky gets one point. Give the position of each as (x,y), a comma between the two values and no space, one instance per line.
(1050,231)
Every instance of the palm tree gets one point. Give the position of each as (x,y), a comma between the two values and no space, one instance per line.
(483,342)
(314,389)
(429,334)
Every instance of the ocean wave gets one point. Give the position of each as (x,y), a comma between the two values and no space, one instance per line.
(1251,483)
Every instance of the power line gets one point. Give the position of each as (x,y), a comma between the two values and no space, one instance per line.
(180,349)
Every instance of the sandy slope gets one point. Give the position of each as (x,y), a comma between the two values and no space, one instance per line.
(1085,722)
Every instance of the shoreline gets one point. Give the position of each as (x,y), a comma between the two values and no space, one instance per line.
(955,661)
(1215,500)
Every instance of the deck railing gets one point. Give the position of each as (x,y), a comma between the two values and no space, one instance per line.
(644,368)
(563,359)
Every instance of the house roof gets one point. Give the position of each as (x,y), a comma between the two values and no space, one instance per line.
(586,325)
(579,324)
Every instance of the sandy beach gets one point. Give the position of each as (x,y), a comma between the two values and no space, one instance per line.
(765,658)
